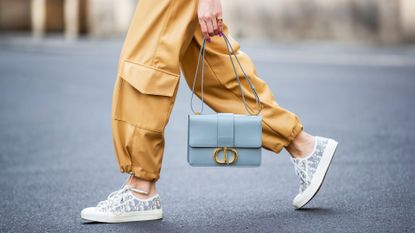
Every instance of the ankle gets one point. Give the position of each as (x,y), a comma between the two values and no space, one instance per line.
(148,187)
(301,146)
(144,196)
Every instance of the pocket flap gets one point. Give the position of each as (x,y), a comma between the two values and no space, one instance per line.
(148,80)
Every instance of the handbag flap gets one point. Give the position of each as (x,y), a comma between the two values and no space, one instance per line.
(225,130)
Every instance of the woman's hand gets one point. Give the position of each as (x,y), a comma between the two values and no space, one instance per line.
(210,18)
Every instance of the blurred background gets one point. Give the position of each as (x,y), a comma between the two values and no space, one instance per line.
(346,67)
(373,21)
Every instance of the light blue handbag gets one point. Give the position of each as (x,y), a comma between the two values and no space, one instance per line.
(224,139)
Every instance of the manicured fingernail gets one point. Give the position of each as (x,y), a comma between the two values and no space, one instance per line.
(208,39)
(220,34)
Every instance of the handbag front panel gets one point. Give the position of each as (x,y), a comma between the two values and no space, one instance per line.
(225,129)
(210,132)
(204,156)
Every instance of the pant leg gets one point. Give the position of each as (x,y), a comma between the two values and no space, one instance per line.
(222,94)
(147,82)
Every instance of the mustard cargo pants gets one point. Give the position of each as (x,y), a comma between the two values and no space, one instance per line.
(163,37)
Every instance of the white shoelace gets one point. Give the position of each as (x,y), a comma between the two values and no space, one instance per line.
(300,170)
(115,196)
(112,197)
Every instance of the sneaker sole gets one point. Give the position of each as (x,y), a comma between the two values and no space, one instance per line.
(319,176)
(142,216)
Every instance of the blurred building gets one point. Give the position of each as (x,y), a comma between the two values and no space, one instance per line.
(70,17)
(387,21)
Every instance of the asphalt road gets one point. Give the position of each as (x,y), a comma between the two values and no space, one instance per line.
(56,154)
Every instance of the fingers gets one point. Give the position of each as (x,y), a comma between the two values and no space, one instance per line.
(204,29)
(219,20)
(215,26)
(209,24)
(210,18)
(210,27)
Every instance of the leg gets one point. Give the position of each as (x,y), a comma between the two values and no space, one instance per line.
(222,93)
(147,83)
(143,97)
(311,156)
(301,146)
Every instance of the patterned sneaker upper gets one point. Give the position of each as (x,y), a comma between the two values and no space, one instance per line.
(306,167)
(123,201)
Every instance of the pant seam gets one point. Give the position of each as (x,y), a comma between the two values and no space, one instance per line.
(145,175)
(171,105)
(152,67)
(128,143)
(133,166)
(137,126)
(139,172)
(295,131)
(156,57)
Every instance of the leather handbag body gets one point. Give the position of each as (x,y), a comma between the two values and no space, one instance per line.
(224,139)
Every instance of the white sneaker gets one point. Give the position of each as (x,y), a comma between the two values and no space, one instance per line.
(312,169)
(123,206)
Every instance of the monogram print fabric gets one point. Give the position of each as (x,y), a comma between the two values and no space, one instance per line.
(123,201)
(306,167)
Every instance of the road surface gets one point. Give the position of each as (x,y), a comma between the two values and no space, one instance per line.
(56,154)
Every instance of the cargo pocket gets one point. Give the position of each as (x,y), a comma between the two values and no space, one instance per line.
(146,96)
